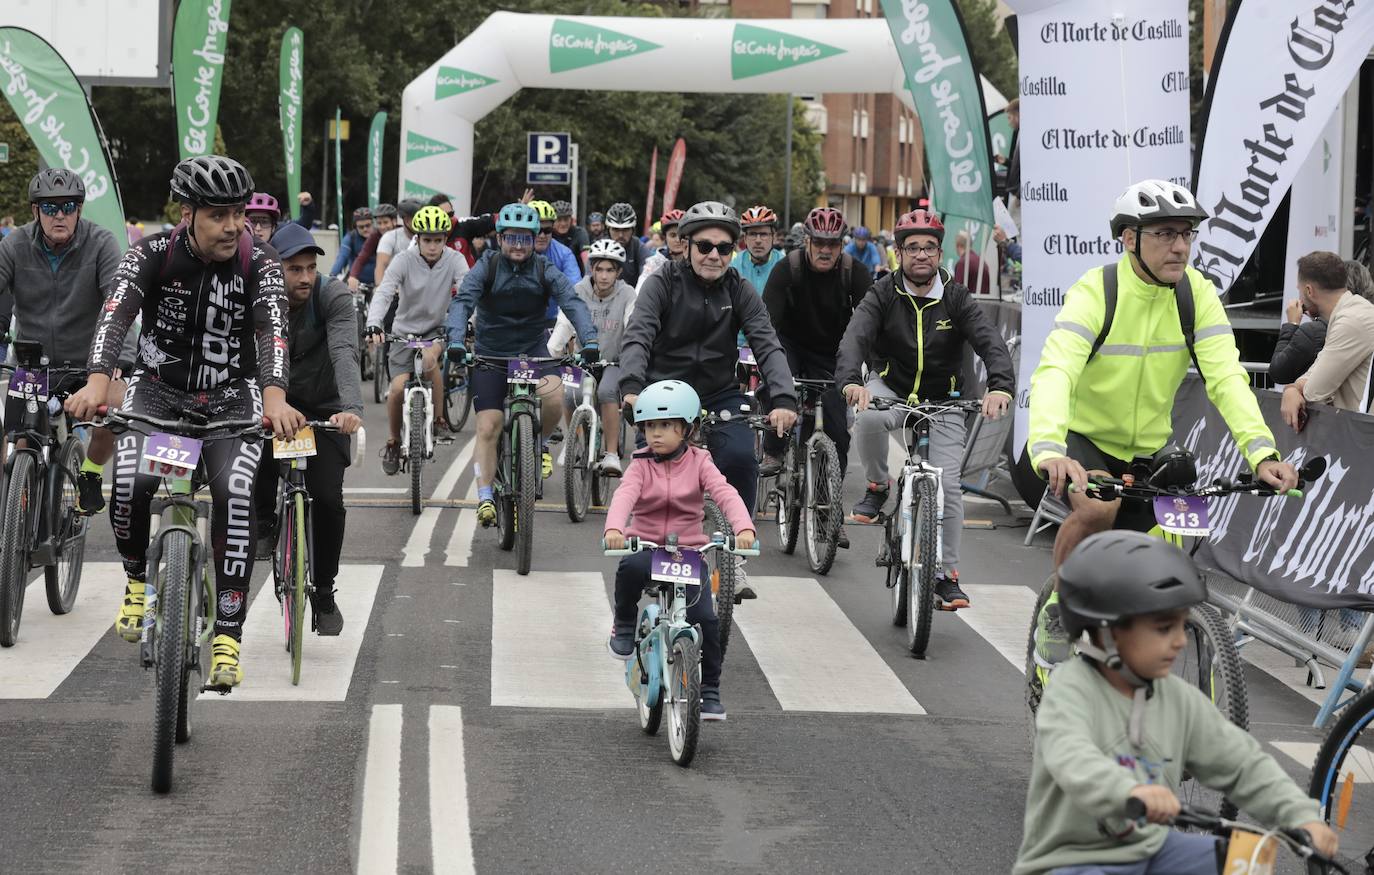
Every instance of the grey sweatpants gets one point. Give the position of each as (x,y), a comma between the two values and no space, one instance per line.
(947,434)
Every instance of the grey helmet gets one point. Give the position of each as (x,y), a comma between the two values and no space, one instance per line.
(56,183)
(621,215)
(211,181)
(562,208)
(384,211)
(709,214)
(1114,575)
(408,208)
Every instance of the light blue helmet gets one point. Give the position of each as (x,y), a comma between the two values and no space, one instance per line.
(518,216)
(668,399)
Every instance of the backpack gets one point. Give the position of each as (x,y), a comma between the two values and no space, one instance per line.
(245,253)
(794,263)
(1183,297)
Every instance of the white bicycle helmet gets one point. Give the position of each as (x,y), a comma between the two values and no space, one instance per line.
(1154,200)
(608,249)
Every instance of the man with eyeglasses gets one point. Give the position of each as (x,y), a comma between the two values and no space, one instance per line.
(565,231)
(1104,390)
(58,268)
(911,330)
(621,220)
(755,262)
(684,325)
(544,244)
(674,246)
(509,291)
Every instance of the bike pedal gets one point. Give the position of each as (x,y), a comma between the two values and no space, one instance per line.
(222,689)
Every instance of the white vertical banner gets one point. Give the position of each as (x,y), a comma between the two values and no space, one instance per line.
(1314,209)
(1104,103)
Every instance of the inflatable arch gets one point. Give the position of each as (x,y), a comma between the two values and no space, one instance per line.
(510,51)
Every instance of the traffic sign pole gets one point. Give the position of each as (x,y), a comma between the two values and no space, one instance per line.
(573,150)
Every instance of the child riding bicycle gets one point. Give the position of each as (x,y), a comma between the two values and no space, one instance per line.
(1116,724)
(664,488)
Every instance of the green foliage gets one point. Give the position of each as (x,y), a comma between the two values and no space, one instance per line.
(990,44)
(23,164)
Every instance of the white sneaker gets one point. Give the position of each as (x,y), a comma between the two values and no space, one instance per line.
(610,464)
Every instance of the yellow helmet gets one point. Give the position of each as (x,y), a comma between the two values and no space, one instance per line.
(431,220)
(545,210)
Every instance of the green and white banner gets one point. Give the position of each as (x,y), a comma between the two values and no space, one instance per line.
(52,107)
(376,136)
(289,107)
(199,37)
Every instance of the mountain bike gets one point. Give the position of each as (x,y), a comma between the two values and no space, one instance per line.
(381,371)
(179,613)
(582,475)
(913,534)
(1209,660)
(1247,849)
(518,481)
(41,525)
(1342,781)
(361,299)
(806,489)
(457,395)
(666,667)
(417,429)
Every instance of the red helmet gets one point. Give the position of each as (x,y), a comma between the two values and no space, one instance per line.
(825,223)
(758,216)
(670,219)
(918,222)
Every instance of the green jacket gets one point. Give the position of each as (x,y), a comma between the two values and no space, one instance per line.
(1123,399)
(1085,768)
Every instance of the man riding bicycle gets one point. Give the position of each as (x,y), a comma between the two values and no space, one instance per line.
(674,246)
(263,216)
(911,330)
(213,343)
(352,245)
(755,263)
(1104,390)
(620,227)
(559,255)
(569,234)
(509,291)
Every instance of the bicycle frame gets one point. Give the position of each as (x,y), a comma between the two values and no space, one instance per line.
(661,622)
(293,483)
(588,403)
(918,468)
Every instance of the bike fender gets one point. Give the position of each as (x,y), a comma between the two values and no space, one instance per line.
(688,632)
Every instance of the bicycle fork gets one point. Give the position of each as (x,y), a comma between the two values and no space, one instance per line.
(910,476)
(200,536)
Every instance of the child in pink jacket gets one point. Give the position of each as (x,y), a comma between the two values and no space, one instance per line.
(663,488)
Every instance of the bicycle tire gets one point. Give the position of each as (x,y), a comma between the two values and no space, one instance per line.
(68,526)
(20,493)
(650,716)
(1034,687)
(578,471)
(788,497)
(724,577)
(457,399)
(684,705)
(1341,783)
(298,584)
(824,513)
(416,460)
(1218,673)
(173,632)
(920,604)
(897,578)
(201,596)
(380,372)
(283,561)
(604,484)
(526,474)
(501,492)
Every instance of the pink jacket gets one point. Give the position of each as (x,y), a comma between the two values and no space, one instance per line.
(666,498)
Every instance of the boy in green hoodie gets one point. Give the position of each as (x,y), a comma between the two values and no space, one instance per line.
(1116,724)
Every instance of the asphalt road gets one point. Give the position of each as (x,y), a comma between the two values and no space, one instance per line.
(470,718)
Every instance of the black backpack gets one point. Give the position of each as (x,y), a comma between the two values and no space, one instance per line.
(1183,297)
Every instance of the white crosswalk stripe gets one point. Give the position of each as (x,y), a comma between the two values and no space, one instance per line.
(1001,615)
(49,647)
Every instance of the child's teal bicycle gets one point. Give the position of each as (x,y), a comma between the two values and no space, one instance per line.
(666,667)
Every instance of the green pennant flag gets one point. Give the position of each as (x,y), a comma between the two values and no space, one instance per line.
(52,107)
(289,108)
(451,81)
(573,44)
(199,37)
(758,50)
(419,146)
(375,137)
(415,191)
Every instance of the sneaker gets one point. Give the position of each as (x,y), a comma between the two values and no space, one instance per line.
(711,707)
(622,642)
(129,624)
(610,464)
(842,539)
(90,499)
(391,457)
(266,541)
(770,466)
(947,590)
(328,619)
(224,662)
(443,432)
(556,437)
(742,588)
(546,464)
(1052,645)
(870,507)
(486,512)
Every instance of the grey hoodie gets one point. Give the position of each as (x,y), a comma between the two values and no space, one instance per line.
(609,315)
(425,291)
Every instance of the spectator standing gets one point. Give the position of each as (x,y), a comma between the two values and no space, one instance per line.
(969,269)
(1340,374)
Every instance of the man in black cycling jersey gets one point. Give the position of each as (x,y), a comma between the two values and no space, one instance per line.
(213,343)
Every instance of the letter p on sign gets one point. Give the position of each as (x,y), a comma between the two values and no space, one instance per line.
(546,149)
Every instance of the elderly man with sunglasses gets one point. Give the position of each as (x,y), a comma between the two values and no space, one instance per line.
(58,268)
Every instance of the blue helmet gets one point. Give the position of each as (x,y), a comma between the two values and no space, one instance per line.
(668,399)
(518,216)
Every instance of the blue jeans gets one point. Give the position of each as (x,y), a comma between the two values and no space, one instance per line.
(1183,854)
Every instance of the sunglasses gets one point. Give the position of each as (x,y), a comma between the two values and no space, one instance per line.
(545,232)
(66,208)
(721,249)
(518,241)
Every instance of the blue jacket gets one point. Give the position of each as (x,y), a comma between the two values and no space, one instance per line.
(562,258)
(510,320)
(757,274)
(350,249)
(869,257)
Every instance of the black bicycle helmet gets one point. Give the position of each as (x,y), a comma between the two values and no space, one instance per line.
(408,208)
(1118,574)
(621,215)
(562,208)
(211,181)
(56,183)
(385,211)
(1173,466)
(361,214)
(709,214)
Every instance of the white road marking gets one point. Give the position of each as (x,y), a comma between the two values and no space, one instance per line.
(49,647)
(327,661)
(1002,616)
(417,545)
(380,823)
(1359,760)
(576,671)
(1279,666)
(449,828)
(459,549)
(375,490)
(813,657)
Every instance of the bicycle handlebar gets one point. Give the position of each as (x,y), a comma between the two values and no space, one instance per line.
(124,420)
(634,544)
(927,408)
(1299,841)
(1112,488)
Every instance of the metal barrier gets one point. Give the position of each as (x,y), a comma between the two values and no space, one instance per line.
(985,456)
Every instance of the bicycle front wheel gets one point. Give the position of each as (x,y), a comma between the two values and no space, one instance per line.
(823,513)
(1210,662)
(787,495)
(296,609)
(1035,674)
(21,498)
(920,604)
(684,701)
(457,396)
(577,466)
(416,460)
(68,527)
(173,640)
(724,576)
(526,482)
(1342,781)
(380,373)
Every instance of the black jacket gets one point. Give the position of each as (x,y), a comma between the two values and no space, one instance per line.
(917,344)
(683,329)
(810,310)
(323,340)
(1296,350)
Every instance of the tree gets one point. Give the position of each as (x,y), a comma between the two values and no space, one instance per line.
(16,173)
(990,44)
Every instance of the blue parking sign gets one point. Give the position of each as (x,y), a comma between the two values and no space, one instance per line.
(550,159)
